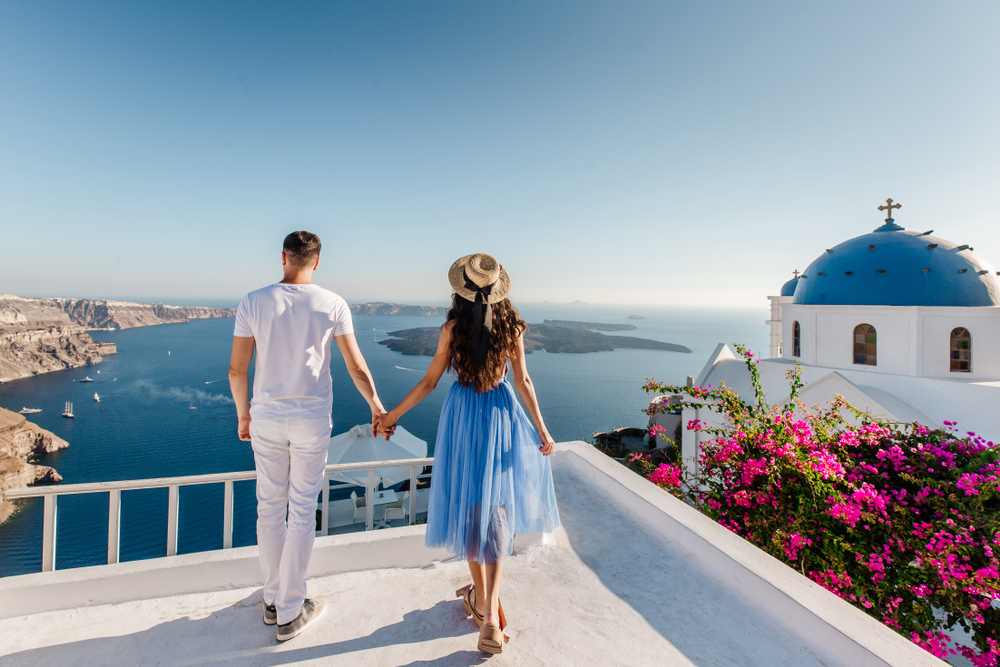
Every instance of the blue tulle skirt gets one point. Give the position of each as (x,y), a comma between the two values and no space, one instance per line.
(490,481)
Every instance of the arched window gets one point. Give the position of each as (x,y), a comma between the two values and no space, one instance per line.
(865,345)
(796,338)
(961,350)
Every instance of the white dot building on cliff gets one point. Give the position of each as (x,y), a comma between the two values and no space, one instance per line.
(902,324)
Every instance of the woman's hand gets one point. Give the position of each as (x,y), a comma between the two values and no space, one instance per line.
(548,444)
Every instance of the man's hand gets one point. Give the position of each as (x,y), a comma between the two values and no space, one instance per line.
(243,429)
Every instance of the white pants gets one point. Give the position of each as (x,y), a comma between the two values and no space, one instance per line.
(290,457)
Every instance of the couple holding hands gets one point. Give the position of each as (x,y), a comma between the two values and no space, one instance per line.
(490,480)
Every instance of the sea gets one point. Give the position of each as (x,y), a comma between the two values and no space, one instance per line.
(165,410)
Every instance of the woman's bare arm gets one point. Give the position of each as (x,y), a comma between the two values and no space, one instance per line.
(439,364)
(526,390)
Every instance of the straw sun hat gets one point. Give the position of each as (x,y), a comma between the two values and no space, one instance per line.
(480,272)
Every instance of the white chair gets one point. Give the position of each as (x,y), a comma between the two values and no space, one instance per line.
(394,511)
(360,512)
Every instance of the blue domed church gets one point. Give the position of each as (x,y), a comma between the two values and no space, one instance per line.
(902,323)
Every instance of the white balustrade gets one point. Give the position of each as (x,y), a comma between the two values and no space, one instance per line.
(50,493)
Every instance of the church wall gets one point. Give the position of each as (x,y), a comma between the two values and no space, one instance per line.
(835,341)
(982,323)
(828,336)
(912,341)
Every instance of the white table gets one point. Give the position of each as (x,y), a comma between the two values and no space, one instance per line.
(381,499)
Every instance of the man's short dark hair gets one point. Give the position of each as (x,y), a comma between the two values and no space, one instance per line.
(301,248)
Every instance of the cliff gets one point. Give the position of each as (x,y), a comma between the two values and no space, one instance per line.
(100,313)
(44,335)
(27,351)
(379,308)
(423,341)
(20,442)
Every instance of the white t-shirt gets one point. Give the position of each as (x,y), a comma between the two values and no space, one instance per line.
(293,327)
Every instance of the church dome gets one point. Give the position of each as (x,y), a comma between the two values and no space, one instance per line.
(788,289)
(892,266)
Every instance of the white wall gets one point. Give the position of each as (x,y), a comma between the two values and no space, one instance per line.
(982,323)
(911,341)
(776,324)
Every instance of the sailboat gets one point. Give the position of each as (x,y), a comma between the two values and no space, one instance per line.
(191,407)
(68,412)
(374,334)
(97,398)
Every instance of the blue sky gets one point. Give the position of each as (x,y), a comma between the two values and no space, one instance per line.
(628,152)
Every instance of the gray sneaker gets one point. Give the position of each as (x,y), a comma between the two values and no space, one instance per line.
(270,614)
(311,611)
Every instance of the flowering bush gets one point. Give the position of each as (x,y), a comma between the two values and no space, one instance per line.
(900,520)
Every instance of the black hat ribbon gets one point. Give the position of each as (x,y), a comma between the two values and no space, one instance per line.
(481,329)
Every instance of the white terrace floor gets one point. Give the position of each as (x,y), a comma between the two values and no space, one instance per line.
(632,578)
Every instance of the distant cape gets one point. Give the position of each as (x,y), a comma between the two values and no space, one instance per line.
(553,339)
(381,308)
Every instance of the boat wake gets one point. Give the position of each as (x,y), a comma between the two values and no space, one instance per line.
(412,370)
(185,394)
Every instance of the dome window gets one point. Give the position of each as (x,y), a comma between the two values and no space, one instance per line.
(961,350)
(865,345)
(796,339)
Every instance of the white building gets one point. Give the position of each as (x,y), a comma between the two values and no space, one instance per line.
(903,324)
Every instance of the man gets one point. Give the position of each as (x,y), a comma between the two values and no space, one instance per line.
(292,324)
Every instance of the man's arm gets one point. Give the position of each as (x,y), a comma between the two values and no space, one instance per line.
(358,370)
(239,382)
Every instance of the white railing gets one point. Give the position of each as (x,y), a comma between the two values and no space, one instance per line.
(173,484)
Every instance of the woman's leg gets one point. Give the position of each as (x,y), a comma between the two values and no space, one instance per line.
(479,579)
(494,573)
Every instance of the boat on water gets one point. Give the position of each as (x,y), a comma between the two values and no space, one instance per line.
(97,398)
(68,411)
(87,379)
(30,411)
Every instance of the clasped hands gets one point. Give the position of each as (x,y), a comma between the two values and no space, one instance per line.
(383,425)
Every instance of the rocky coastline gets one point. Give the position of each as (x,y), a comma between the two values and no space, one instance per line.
(44,335)
(20,442)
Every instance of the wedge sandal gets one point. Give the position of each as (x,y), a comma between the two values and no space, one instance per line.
(466,594)
(492,639)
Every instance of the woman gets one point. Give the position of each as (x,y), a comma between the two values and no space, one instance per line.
(491,480)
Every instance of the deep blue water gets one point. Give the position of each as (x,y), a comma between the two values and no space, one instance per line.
(143,426)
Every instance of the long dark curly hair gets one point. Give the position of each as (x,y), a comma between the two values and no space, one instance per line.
(507,328)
